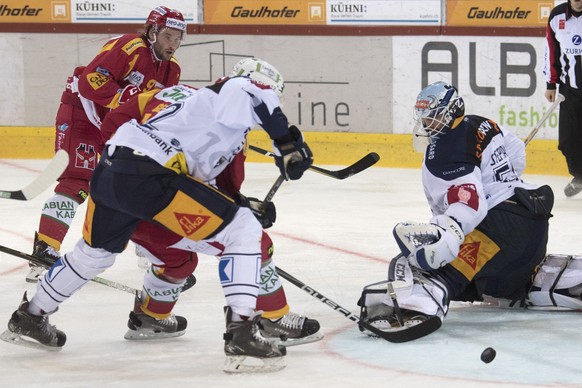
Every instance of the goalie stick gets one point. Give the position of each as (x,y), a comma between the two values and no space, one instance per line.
(48,264)
(535,130)
(367,161)
(46,178)
(397,336)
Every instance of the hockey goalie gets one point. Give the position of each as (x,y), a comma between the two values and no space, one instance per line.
(488,232)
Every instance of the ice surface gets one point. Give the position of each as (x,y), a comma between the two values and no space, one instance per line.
(334,236)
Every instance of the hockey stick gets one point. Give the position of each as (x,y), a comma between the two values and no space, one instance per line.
(274,188)
(398,336)
(367,161)
(46,178)
(48,264)
(559,99)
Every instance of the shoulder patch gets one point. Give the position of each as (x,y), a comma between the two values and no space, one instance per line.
(465,194)
(97,80)
(133,45)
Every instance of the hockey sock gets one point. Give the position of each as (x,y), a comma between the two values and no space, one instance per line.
(56,217)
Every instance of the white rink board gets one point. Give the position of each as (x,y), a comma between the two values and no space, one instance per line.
(477,75)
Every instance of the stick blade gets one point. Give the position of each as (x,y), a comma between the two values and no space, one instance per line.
(46,178)
(366,162)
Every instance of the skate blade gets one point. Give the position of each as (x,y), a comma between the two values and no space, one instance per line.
(17,339)
(137,335)
(296,341)
(247,364)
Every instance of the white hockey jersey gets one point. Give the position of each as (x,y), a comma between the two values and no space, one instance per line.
(201,131)
(478,157)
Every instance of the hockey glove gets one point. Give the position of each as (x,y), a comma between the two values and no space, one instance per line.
(292,154)
(429,246)
(128,92)
(264,211)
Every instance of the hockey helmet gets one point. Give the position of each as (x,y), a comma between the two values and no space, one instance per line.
(163,17)
(438,108)
(261,72)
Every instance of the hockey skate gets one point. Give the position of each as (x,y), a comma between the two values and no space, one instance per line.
(45,252)
(247,350)
(290,330)
(573,188)
(144,327)
(32,331)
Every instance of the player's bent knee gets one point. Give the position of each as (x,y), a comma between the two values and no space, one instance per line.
(88,261)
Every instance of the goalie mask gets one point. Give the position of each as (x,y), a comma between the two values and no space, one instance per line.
(437,109)
(261,72)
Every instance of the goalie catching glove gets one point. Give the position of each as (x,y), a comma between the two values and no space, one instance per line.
(264,211)
(292,154)
(429,246)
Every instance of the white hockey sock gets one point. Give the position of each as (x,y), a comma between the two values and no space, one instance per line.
(239,277)
(60,208)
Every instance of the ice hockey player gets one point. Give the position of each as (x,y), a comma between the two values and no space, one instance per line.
(157,171)
(488,233)
(171,265)
(125,66)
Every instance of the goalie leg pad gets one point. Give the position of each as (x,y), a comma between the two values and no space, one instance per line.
(557,284)
(419,299)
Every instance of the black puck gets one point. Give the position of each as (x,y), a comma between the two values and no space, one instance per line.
(488,355)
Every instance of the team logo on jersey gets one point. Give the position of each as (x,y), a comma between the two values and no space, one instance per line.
(190,223)
(465,194)
(85,157)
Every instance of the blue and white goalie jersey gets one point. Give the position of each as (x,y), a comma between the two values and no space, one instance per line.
(470,169)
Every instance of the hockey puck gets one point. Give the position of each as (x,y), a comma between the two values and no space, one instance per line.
(488,355)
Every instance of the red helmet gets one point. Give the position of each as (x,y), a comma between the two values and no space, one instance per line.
(163,17)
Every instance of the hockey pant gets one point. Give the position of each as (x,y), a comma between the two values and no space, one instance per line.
(82,141)
(128,188)
(174,258)
(570,134)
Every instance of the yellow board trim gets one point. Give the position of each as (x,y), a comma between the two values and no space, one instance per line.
(332,148)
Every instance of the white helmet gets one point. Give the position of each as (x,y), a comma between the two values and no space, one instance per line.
(437,108)
(261,72)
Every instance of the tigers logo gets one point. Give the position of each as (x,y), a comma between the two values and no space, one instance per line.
(190,223)
(85,157)
(468,253)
